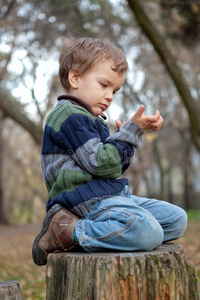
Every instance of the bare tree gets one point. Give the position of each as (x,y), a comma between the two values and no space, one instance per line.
(3,215)
(171,65)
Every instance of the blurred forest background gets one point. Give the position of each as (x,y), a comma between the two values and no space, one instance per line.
(161,40)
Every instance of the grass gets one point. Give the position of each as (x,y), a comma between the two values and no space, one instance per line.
(193,215)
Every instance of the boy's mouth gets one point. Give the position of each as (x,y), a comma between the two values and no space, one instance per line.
(104,106)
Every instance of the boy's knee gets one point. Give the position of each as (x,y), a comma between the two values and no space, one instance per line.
(154,238)
(183,219)
(181,223)
(151,235)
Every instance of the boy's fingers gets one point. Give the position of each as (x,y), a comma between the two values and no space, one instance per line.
(140,111)
(157,125)
(119,124)
(160,122)
(155,118)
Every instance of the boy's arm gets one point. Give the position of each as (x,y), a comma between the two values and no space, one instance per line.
(144,122)
(126,140)
(79,137)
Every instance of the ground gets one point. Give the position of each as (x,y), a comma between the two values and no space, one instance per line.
(16,261)
(191,245)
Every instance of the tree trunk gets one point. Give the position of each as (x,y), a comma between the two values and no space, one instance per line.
(170,195)
(161,274)
(10,290)
(3,216)
(173,69)
(161,169)
(189,196)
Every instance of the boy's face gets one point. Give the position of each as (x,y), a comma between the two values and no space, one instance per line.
(97,86)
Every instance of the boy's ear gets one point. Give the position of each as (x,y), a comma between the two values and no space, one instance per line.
(74,77)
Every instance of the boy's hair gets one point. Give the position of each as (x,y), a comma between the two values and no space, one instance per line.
(83,53)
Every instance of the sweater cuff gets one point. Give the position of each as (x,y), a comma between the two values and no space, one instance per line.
(130,132)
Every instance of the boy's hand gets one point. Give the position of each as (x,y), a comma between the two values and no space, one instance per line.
(147,122)
(119,124)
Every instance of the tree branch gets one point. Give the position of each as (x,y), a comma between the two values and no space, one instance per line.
(9,8)
(15,111)
(8,58)
(170,63)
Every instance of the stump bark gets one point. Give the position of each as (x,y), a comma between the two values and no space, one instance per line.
(161,274)
(10,290)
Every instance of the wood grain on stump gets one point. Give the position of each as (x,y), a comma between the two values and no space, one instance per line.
(10,290)
(161,274)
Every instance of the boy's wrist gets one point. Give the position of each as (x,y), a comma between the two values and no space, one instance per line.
(130,132)
(133,127)
(137,126)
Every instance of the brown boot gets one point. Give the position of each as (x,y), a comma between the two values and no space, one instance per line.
(57,234)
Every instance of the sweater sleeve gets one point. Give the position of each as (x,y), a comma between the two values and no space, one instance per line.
(126,140)
(79,137)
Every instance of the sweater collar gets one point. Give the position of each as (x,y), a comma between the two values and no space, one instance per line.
(80,102)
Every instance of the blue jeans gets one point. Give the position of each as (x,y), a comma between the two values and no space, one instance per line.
(129,223)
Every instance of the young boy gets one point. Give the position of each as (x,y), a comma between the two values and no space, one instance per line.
(89,206)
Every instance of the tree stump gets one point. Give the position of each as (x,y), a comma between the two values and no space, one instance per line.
(161,274)
(10,290)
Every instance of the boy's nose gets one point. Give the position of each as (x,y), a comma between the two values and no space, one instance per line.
(109,96)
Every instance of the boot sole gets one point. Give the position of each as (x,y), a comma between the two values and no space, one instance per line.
(38,255)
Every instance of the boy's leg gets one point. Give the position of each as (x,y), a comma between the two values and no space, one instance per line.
(172,218)
(122,222)
(57,234)
(117,223)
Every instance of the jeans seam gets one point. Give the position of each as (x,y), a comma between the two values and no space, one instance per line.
(84,243)
(109,208)
(118,232)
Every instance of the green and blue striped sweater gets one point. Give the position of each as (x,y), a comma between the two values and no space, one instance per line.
(81,161)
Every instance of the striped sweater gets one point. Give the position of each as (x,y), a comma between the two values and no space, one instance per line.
(81,161)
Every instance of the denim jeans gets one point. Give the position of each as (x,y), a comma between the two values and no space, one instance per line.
(128,223)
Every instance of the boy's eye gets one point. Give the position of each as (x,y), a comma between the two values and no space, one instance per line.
(104,85)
